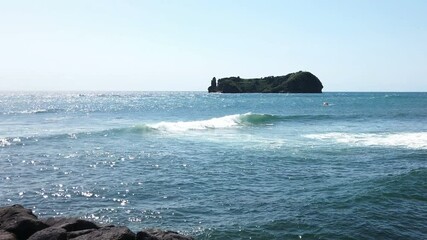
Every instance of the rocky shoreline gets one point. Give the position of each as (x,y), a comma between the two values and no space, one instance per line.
(19,223)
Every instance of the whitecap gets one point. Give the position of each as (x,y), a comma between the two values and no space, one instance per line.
(4,142)
(229,121)
(181,126)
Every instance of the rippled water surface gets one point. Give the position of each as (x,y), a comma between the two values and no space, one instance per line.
(218,166)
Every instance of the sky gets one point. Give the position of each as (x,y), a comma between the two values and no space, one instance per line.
(130,45)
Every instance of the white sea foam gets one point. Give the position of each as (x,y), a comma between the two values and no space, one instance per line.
(213,123)
(417,140)
(4,142)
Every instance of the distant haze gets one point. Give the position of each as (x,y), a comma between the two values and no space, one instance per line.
(180,45)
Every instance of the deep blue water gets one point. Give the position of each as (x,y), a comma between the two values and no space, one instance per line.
(218,166)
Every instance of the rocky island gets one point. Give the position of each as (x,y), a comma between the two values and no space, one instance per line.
(298,82)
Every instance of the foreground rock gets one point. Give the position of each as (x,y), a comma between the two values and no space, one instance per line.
(19,223)
(298,82)
(156,234)
(110,232)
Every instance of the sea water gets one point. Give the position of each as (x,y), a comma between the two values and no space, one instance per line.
(221,166)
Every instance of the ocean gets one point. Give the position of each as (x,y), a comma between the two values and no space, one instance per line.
(221,166)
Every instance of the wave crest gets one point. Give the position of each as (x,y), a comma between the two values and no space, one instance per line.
(34,111)
(228,121)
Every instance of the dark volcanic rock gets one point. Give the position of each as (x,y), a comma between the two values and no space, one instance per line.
(75,234)
(70,224)
(20,221)
(156,234)
(6,235)
(51,233)
(298,82)
(145,236)
(109,233)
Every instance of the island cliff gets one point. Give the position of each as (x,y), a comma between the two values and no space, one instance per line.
(298,82)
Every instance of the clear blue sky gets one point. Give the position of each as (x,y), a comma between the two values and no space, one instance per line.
(360,45)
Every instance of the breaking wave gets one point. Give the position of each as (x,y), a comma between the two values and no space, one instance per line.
(228,121)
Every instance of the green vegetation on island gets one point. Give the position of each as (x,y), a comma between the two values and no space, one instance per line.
(298,82)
